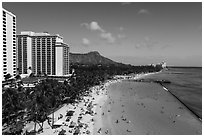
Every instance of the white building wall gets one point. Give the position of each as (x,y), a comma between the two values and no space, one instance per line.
(9,41)
(59,39)
(29,52)
(59,60)
(30,33)
(10,63)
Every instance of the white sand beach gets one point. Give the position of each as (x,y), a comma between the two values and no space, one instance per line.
(84,117)
(139,108)
(119,107)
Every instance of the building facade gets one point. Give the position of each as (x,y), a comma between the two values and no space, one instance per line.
(9,43)
(43,53)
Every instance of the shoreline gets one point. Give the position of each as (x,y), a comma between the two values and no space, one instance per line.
(104,101)
(87,119)
(83,117)
(166,89)
(146,108)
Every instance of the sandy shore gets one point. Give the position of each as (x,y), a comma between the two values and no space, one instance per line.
(86,114)
(119,107)
(139,108)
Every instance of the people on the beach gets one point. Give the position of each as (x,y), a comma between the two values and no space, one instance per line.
(106,131)
(99,131)
(61,116)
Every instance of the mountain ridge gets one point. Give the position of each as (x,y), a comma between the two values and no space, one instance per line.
(91,58)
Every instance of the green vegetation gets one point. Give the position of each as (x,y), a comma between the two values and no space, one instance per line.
(21,105)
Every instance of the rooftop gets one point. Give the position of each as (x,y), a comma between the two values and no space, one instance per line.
(8,12)
(31,33)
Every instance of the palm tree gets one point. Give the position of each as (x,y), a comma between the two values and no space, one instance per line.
(7,76)
(49,95)
(12,109)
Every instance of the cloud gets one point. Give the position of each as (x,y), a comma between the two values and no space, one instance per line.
(125,3)
(107,36)
(165,46)
(86,42)
(121,36)
(148,43)
(137,46)
(143,11)
(93,26)
(121,28)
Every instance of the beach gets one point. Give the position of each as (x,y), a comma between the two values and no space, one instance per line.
(83,119)
(121,107)
(140,108)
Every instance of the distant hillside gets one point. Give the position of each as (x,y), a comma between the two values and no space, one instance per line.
(91,58)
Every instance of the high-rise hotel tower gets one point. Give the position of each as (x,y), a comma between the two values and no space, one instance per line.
(9,43)
(43,53)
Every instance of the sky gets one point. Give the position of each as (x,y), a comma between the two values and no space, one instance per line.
(133,33)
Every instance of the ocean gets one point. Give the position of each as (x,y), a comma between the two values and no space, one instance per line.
(186,84)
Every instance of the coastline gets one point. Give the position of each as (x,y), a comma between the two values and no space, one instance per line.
(89,122)
(85,111)
(105,101)
(141,108)
(96,113)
